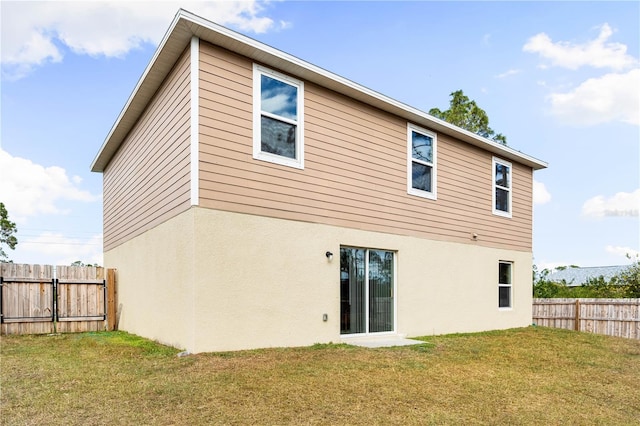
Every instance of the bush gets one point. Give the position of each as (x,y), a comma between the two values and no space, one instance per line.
(624,285)
(631,279)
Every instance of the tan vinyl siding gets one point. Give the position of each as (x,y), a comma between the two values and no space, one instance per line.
(355,171)
(148,179)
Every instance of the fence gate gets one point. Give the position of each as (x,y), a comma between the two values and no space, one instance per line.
(81,298)
(27,299)
(33,301)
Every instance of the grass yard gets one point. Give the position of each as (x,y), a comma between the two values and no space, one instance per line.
(522,376)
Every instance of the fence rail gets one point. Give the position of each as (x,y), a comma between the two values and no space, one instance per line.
(41,299)
(613,317)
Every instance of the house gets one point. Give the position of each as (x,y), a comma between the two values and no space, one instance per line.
(575,276)
(252,199)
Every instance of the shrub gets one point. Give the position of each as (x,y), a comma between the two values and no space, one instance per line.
(623,285)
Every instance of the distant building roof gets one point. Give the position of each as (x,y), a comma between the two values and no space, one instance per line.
(575,276)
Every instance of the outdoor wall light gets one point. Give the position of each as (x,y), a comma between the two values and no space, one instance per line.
(329,255)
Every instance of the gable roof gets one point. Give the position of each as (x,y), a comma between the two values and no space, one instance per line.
(578,276)
(185,25)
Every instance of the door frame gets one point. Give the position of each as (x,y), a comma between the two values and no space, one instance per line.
(394,283)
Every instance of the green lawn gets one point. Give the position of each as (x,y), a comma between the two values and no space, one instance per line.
(522,376)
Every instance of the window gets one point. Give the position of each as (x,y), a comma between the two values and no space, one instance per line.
(277,118)
(421,162)
(501,188)
(504,284)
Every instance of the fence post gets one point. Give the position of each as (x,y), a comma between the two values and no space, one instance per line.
(1,290)
(111,299)
(54,303)
(577,319)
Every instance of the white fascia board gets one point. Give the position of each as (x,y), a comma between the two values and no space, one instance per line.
(258,51)
(267,55)
(194,139)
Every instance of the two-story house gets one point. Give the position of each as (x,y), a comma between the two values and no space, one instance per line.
(252,199)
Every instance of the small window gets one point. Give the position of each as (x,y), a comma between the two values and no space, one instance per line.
(504,284)
(501,188)
(421,162)
(277,118)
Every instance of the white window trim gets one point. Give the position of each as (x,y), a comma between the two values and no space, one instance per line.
(195,121)
(258,154)
(497,212)
(510,286)
(434,180)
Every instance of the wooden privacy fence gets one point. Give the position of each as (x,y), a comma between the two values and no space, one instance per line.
(613,317)
(41,299)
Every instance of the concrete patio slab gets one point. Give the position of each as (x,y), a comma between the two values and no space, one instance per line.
(380,341)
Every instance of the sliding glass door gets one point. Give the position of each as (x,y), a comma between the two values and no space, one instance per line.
(367,279)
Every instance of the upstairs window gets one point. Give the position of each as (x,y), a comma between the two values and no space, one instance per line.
(421,162)
(501,188)
(277,118)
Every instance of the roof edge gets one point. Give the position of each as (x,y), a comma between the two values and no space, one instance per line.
(186,24)
(100,162)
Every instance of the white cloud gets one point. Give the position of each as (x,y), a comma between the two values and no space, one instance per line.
(33,32)
(56,249)
(621,204)
(29,189)
(623,251)
(610,98)
(284,25)
(597,53)
(509,73)
(540,193)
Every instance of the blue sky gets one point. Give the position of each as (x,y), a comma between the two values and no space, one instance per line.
(560,80)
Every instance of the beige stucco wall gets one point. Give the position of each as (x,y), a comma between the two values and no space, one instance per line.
(209,280)
(155,282)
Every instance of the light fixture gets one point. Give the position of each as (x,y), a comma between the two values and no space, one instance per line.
(329,255)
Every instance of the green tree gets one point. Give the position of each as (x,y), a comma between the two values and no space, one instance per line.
(81,263)
(630,278)
(465,113)
(545,288)
(599,287)
(7,229)
(626,284)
